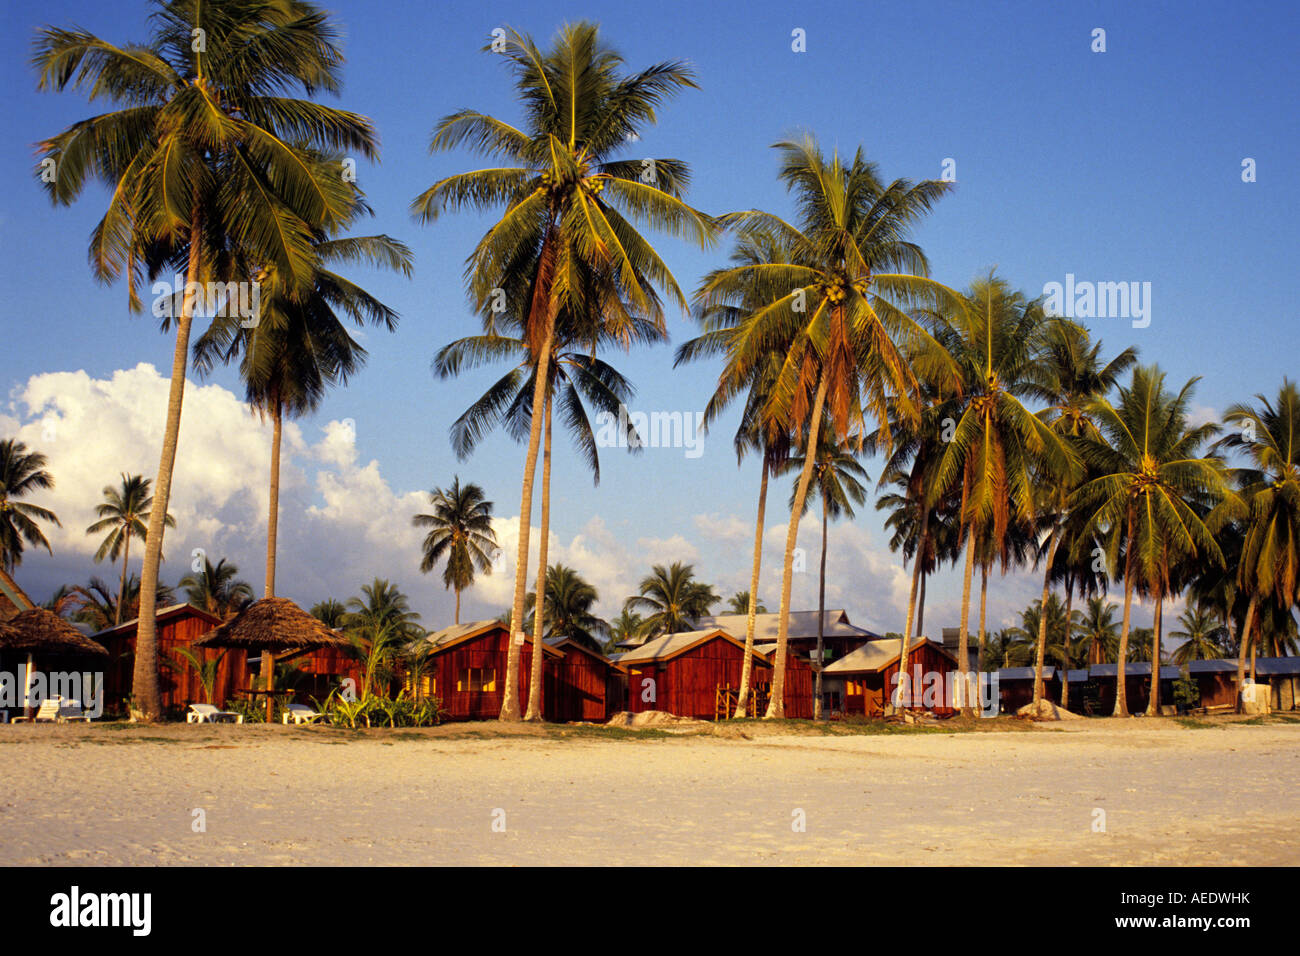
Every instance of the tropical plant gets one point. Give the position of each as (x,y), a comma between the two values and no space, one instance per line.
(570,212)
(738,603)
(672,599)
(331,612)
(217,589)
(834,313)
(568,609)
(460,533)
(204,668)
(96,606)
(211,165)
(21,473)
(122,515)
(1098,631)
(1202,633)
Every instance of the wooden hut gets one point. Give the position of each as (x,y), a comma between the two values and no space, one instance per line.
(1282,674)
(52,657)
(697,674)
(1216,680)
(839,637)
(870,675)
(1016,687)
(1137,684)
(799,681)
(581,685)
(467,667)
(178,627)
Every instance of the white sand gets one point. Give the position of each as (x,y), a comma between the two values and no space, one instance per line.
(275,795)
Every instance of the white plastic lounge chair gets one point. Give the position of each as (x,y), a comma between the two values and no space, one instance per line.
(301,714)
(71,710)
(48,712)
(208,714)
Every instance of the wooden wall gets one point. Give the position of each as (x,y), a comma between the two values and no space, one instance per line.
(875,689)
(488,650)
(576,687)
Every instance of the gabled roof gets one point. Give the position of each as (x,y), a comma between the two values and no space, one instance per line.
(802,626)
(674,645)
(1212,666)
(1279,666)
(12,598)
(875,656)
(163,614)
(564,641)
(449,637)
(1024,673)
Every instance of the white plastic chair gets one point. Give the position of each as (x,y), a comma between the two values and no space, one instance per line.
(300,714)
(48,712)
(208,714)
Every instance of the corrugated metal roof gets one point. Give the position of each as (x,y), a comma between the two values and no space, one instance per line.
(1133,669)
(1212,667)
(670,645)
(1277,666)
(1024,673)
(802,626)
(874,656)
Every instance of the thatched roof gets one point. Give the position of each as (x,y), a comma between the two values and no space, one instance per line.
(275,624)
(39,631)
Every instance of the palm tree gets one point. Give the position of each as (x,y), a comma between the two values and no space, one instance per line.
(628,626)
(122,515)
(21,473)
(570,209)
(330,612)
(382,608)
(1098,631)
(738,603)
(838,483)
(999,452)
(568,608)
(673,598)
(460,532)
(833,313)
(217,589)
(211,163)
(1009,648)
(1151,493)
(1269,569)
(98,608)
(1203,635)
(300,346)
(1072,375)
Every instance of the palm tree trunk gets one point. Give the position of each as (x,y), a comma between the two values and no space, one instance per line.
(457,605)
(1153,704)
(747,668)
(1069,611)
(121,590)
(963,641)
(1247,628)
(920,606)
(273,511)
(913,607)
(1121,698)
(535,681)
(821,616)
(1042,618)
(146,705)
(776,706)
(984,608)
(510,695)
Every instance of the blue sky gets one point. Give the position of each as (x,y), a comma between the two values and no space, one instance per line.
(1115,166)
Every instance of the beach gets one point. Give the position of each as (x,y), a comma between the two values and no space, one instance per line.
(1141,792)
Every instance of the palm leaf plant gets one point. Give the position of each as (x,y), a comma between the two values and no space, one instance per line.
(122,515)
(21,473)
(460,534)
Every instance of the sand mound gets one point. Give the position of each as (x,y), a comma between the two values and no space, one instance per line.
(1046,711)
(651,718)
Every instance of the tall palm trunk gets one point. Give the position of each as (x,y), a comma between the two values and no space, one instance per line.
(535,680)
(1042,617)
(821,620)
(776,706)
(963,641)
(1121,698)
(146,704)
(1246,630)
(121,590)
(457,605)
(542,299)
(1153,704)
(273,510)
(747,668)
(920,606)
(1069,611)
(912,603)
(984,611)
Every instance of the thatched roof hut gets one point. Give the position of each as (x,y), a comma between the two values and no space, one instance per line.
(38,631)
(274,624)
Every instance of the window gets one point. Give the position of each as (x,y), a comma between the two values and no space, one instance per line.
(477,680)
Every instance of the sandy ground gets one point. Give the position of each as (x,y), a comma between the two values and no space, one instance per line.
(1225,794)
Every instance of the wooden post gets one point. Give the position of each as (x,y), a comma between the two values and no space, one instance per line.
(27,688)
(268,665)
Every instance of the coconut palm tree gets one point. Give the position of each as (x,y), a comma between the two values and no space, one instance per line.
(838,485)
(300,346)
(331,612)
(834,313)
(998,453)
(96,606)
(571,209)
(1009,648)
(673,599)
(21,473)
(210,162)
(122,515)
(460,532)
(217,589)
(1202,633)
(628,626)
(1152,492)
(383,608)
(568,608)
(738,603)
(1098,631)
(1268,433)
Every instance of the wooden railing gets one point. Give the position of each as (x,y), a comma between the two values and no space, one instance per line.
(726,697)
